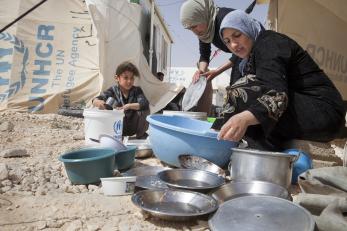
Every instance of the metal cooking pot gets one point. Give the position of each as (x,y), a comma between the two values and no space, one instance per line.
(250,165)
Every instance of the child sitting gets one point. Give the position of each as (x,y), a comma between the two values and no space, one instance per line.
(129,98)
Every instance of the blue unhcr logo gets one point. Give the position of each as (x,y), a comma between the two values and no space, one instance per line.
(5,66)
(117,127)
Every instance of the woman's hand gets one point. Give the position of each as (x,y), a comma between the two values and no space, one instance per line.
(196,76)
(99,104)
(202,68)
(210,75)
(235,128)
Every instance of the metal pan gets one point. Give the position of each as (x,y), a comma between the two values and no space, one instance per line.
(197,162)
(175,205)
(191,179)
(238,189)
(150,182)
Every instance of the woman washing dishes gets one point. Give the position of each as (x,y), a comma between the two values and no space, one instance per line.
(203,18)
(282,93)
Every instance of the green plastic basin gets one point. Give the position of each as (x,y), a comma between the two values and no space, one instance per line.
(125,159)
(88,165)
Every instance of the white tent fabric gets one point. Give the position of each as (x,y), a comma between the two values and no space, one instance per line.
(320,27)
(183,76)
(57,54)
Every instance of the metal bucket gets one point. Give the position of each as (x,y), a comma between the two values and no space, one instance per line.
(250,165)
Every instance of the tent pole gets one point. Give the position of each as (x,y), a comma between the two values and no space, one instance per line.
(276,19)
(22,16)
(151,37)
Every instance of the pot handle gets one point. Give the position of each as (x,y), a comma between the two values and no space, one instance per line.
(230,168)
(296,157)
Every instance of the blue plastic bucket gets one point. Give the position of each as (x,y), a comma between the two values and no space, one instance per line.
(302,164)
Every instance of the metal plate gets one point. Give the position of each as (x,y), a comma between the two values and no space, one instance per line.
(150,182)
(191,179)
(193,94)
(197,162)
(261,213)
(238,189)
(174,204)
(144,171)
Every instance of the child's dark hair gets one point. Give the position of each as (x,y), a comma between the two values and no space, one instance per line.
(127,66)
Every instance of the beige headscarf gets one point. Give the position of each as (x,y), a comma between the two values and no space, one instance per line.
(194,12)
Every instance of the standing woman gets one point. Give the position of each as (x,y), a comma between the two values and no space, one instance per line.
(282,93)
(203,18)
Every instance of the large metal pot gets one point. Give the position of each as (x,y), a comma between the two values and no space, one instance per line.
(250,165)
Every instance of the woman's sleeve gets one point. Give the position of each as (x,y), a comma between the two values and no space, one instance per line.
(271,59)
(142,100)
(205,51)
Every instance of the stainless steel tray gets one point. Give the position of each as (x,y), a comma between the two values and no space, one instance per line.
(169,204)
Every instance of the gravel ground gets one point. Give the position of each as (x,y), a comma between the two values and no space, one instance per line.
(35,193)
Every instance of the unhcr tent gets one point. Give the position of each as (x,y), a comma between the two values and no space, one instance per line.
(66,52)
(320,27)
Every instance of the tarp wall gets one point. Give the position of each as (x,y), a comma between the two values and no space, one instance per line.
(320,27)
(56,54)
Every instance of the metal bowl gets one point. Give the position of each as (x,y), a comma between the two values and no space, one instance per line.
(191,179)
(238,189)
(144,148)
(143,152)
(176,205)
(197,162)
(144,171)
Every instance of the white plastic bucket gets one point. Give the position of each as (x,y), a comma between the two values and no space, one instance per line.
(98,122)
(117,186)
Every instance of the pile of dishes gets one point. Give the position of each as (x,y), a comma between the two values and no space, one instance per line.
(175,194)
(198,188)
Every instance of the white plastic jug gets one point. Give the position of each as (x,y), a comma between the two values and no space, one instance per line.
(98,122)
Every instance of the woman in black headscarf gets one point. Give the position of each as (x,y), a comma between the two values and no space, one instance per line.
(282,93)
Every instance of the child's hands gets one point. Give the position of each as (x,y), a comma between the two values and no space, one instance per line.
(126,107)
(99,104)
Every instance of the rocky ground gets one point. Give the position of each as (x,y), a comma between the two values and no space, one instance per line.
(35,193)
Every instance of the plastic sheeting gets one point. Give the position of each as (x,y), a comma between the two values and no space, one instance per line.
(320,27)
(57,55)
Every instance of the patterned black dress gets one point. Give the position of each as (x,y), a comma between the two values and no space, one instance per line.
(287,92)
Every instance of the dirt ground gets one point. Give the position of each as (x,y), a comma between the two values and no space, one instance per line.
(35,193)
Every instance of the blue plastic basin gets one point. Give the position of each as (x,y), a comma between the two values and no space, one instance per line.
(87,166)
(171,136)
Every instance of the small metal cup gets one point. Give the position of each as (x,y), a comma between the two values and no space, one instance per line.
(109,103)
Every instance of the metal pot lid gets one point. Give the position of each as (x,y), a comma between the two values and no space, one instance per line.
(193,94)
(261,213)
